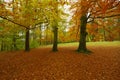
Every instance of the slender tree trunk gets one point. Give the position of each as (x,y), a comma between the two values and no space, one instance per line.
(27,47)
(104,34)
(40,43)
(2,45)
(55,31)
(14,42)
(46,37)
(83,33)
(119,36)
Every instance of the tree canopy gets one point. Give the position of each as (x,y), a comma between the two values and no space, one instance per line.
(86,20)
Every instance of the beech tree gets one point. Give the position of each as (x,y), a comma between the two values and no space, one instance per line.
(22,13)
(86,11)
(53,14)
(32,13)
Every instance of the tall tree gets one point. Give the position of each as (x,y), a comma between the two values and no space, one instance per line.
(23,13)
(53,14)
(86,11)
(55,29)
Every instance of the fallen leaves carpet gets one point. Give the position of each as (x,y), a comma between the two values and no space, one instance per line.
(66,64)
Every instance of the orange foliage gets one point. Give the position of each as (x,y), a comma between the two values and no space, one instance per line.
(94,9)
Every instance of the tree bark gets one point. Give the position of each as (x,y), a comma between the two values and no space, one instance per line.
(27,47)
(83,34)
(55,31)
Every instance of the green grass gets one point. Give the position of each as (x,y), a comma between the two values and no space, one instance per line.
(112,43)
(75,44)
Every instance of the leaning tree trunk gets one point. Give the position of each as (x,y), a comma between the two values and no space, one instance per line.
(27,47)
(83,33)
(55,31)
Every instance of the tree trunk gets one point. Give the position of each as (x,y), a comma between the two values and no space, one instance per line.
(14,42)
(83,33)
(27,47)
(104,34)
(40,36)
(55,31)
(119,36)
(2,45)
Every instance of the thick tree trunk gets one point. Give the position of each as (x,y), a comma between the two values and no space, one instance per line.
(83,33)
(27,47)
(55,39)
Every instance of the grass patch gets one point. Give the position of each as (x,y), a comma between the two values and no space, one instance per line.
(75,44)
(106,43)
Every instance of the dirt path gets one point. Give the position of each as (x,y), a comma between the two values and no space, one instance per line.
(42,64)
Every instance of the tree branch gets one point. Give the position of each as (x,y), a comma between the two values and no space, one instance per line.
(98,5)
(13,22)
(90,21)
(108,16)
(115,5)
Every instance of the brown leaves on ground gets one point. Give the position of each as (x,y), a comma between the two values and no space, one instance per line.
(43,64)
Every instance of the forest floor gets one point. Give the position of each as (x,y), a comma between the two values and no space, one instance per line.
(66,64)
